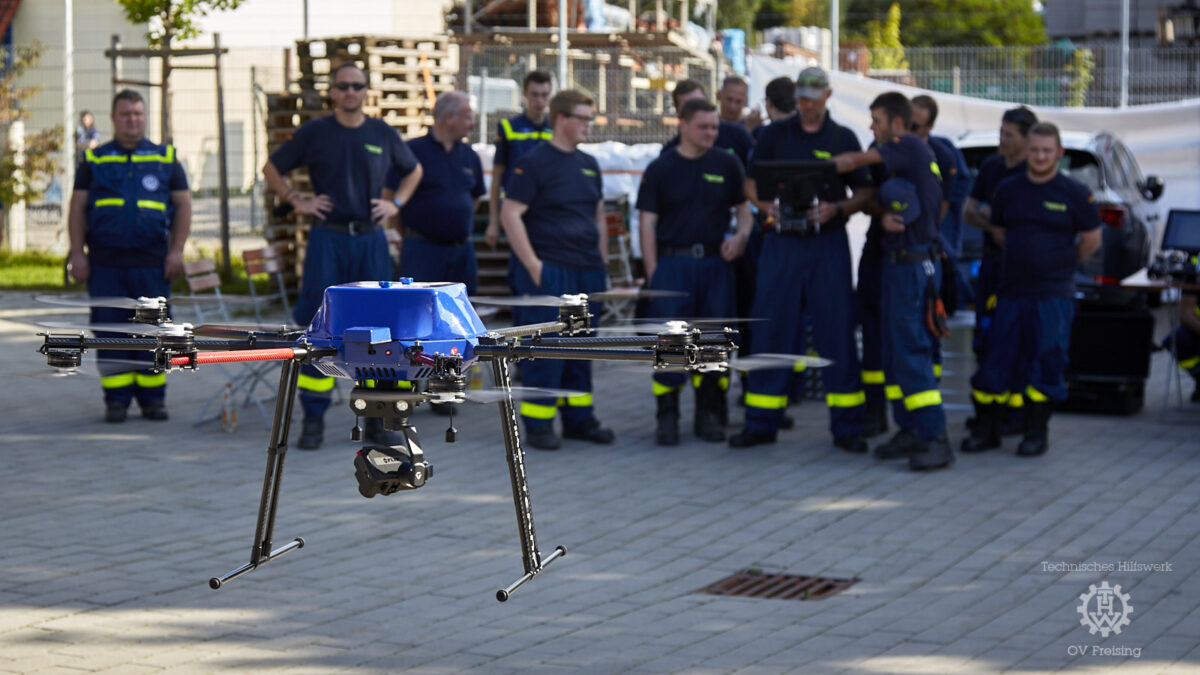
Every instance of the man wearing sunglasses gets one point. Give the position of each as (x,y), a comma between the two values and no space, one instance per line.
(348,156)
(553,217)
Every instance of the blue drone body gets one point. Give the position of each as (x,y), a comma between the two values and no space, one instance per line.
(376,325)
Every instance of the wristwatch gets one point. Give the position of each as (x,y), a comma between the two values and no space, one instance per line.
(398,202)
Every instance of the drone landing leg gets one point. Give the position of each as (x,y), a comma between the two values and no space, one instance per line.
(260,552)
(530,555)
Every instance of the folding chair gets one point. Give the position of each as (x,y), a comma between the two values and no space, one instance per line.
(201,277)
(269,261)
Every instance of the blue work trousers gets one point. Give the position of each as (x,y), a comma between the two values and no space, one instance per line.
(798,278)
(557,373)
(985,303)
(120,383)
(1032,337)
(709,287)
(429,261)
(909,347)
(870,280)
(333,258)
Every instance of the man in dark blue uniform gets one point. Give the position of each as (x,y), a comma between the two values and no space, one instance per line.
(1009,160)
(440,216)
(908,280)
(956,179)
(516,136)
(348,156)
(1186,338)
(1046,223)
(553,217)
(804,271)
(683,215)
(132,211)
(731,136)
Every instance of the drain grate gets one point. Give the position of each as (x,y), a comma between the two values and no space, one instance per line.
(756,584)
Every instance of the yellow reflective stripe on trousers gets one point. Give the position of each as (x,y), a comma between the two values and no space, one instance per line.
(579,400)
(937,370)
(724,382)
(661,389)
(872,377)
(984,397)
(1188,364)
(1016,401)
(111,201)
(537,411)
(1035,395)
(697,380)
(846,400)
(799,367)
(150,381)
(765,401)
(117,381)
(151,204)
(893,392)
(319,384)
(923,399)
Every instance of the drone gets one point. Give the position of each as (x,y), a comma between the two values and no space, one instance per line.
(378,333)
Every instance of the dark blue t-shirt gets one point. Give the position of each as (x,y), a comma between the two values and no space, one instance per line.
(786,139)
(1041,222)
(731,137)
(516,136)
(910,158)
(992,171)
(956,184)
(443,207)
(562,191)
(692,197)
(348,165)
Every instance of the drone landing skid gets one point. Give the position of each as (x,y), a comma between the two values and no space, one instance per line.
(530,555)
(261,552)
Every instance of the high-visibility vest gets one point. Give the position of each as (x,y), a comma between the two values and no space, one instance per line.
(129,199)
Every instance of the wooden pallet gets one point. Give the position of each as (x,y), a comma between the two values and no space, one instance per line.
(358,44)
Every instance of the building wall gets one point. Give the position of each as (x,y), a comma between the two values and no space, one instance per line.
(1076,19)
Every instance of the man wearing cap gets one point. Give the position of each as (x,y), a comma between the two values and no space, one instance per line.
(804,270)
(909,277)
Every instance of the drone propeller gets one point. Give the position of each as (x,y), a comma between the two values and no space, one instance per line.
(772,361)
(72,301)
(567,300)
(239,330)
(131,328)
(86,370)
(669,325)
(495,395)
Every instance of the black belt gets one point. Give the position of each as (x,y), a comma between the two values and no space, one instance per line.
(906,257)
(410,233)
(352,228)
(803,229)
(693,251)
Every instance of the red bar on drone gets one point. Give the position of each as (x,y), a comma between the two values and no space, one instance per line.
(281,354)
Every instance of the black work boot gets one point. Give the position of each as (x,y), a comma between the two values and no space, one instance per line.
(707,424)
(312,433)
(590,431)
(875,419)
(156,411)
(668,419)
(373,432)
(747,438)
(934,454)
(903,444)
(1037,429)
(985,435)
(115,413)
(542,438)
(1010,421)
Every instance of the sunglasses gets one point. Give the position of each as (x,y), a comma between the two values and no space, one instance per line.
(345,86)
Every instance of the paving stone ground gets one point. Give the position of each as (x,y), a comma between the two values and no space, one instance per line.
(110,533)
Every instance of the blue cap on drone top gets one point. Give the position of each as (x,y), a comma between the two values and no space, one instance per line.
(898,195)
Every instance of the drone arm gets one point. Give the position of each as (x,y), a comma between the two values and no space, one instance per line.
(531,329)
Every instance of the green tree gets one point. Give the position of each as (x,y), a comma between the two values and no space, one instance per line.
(883,39)
(1080,70)
(171,20)
(24,175)
(797,13)
(945,23)
(738,14)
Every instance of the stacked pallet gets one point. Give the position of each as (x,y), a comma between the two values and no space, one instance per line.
(404,75)
(285,114)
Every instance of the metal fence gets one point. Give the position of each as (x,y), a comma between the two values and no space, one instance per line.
(1082,74)
(632,88)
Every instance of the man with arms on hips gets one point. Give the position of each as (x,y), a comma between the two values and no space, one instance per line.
(348,156)
(1045,222)
(683,215)
(132,211)
(553,217)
